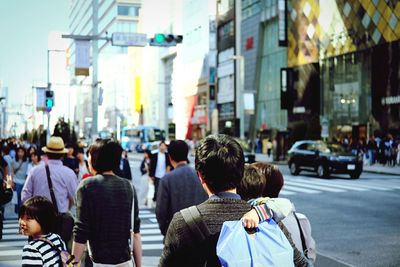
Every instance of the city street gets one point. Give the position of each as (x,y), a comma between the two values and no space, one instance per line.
(354,222)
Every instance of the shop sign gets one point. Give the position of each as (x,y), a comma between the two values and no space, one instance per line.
(200,115)
(390,100)
(282,23)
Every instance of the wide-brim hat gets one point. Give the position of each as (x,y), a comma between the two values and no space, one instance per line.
(55,145)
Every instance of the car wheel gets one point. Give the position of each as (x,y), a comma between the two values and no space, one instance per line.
(322,171)
(294,170)
(355,175)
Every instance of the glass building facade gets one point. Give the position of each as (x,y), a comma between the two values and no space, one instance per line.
(354,48)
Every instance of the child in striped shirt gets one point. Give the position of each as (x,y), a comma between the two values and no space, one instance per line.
(37,220)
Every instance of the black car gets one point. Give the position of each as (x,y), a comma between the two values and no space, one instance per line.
(324,159)
(249,156)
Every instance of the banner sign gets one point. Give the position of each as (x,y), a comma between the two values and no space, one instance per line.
(41,98)
(82,57)
(282,23)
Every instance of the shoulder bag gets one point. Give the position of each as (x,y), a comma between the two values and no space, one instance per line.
(64,221)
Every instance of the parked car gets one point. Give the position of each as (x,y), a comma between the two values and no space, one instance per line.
(324,159)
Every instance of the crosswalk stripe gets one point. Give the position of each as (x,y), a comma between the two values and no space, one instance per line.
(10,231)
(355,184)
(303,190)
(146,226)
(10,225)
(11,252)
(14,237)
(153,220)
(144,212)
(387,185)
(150,231)
(8,244)
(328,183)
(152,246)
(318,187)
(146,216)
(147,238)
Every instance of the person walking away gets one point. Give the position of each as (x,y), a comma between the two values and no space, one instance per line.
(124,169)
(107,207)
(371,147)
(159,166)
(6,194)
(144,180)
(398,152)
(83,164)
(70,160)
(262,179)
(36,220)
(178,189)
(219,164)
(19,168)
(63,179)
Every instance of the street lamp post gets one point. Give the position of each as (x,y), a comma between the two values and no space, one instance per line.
(240,92)
(48,88)
(3,116)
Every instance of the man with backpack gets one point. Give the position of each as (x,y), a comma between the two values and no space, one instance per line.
(219,164)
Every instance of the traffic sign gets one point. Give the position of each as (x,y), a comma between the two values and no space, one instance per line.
(41,98)
(129,39)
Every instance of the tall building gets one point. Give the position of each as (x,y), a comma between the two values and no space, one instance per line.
(114,87)
(323,69)
(199,55)
(347,54)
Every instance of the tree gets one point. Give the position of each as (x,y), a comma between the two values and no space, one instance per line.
(62,129)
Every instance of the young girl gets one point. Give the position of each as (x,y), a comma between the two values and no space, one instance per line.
(37,220)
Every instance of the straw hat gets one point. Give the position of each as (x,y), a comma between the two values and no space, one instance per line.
(55,146)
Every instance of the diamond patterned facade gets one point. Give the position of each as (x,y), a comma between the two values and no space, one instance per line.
(320,29)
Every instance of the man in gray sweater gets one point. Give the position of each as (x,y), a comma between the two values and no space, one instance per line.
(219,164)
(180,188)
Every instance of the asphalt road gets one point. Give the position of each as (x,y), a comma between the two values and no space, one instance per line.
(353,228)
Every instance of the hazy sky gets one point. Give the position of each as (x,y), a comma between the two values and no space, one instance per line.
(24,29)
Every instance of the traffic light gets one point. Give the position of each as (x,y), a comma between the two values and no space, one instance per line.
(161,39)
(49,100)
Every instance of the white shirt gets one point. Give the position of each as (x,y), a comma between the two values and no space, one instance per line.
(161,167)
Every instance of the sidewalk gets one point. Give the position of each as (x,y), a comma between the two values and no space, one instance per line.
(376,168)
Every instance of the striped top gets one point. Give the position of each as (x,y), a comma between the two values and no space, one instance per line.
(40,253)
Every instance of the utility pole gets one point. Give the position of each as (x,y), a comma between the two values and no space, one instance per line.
(239,68)
(95,53)
(49,88)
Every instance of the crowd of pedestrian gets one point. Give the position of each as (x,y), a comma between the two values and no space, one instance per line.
(383,150)
(87,204)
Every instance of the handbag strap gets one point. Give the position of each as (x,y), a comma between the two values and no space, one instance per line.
(303,241)
(19,167)
(133,217)
(58,250)
(53,197)
(195,222)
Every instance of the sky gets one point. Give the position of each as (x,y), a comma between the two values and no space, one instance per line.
(24,29)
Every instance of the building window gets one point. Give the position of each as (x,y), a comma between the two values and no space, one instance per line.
(128,10)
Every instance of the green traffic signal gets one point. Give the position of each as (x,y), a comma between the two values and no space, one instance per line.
(165,40)
(49,103)
(159,38)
